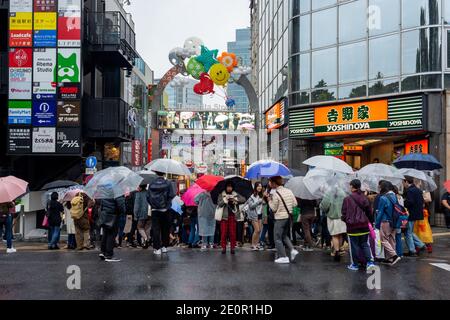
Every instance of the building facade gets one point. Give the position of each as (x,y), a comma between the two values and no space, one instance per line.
(270,53)
(181,94)
(368,80)
(241,47)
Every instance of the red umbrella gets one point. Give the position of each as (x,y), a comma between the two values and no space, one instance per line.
(447,185)
(208,182)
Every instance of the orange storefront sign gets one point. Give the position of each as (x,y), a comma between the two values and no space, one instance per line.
(275,116)
(355,118)
(420,146)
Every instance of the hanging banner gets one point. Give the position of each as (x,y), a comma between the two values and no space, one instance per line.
(20,74)
(44,140)
(20,29)
(20,6)
(45,29)
(69,113)
(19,112)
(68,141)
(136,153)
(45,5)
(44,84)
(44,113)
(69,65)
(19,140)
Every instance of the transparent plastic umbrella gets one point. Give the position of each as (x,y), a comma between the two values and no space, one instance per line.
(168,166)
(421,179)
(112,183)
(299,189)
(329,163)
(372,174)
(320,181)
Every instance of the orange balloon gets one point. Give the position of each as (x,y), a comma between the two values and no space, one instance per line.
(229,60)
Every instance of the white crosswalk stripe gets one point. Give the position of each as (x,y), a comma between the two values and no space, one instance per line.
(444,266)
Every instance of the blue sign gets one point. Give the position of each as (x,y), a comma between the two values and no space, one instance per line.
(44,96)
(45,38)
(91,162)
(44,113)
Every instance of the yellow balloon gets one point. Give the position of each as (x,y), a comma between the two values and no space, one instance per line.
(219,74)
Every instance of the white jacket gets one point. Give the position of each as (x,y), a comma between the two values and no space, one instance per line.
(277,205)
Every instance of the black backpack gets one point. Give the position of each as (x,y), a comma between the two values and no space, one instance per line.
(157,195)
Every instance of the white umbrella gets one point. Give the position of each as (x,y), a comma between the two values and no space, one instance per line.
(420,175)
(299,189)
(373,173)
(168,166)
(221,118)
(320,181)
(329,163)
(112,183)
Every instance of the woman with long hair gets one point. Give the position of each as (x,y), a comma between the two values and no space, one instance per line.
(254,214)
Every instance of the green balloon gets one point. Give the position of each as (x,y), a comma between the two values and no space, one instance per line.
(195,68)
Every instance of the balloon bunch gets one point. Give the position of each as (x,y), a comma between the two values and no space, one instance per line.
(205,65)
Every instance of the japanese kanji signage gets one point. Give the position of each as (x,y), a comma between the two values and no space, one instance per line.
(19,140)
(44,140)
(69,113)
(378,116)
(417,147)
(136,153)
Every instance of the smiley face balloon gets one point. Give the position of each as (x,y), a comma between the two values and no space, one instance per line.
(219,74)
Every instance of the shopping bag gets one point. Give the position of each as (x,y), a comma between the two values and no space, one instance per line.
(45,222)
(423,230)
(219,213)
(372,232)
(128,224)
(379,250)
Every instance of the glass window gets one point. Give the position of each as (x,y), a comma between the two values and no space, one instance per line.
(383,87)
(324,64)
(324,28)
(295,32)
(317,4)
(353,62)
(431,81)
(353,91)
(295,7)
(285,13)
(285,46)
(383,16)
(384,57)
(305,33)
(322,95)
(295,79)
(352,21)
(305,71)
(411,83)
(420,13)
(421,51)
(305,5)
(446,12)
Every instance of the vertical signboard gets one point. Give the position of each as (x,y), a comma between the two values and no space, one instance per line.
(45,23)
(136,153)
(20,23)
(20,73)
(69,23)
(44,82)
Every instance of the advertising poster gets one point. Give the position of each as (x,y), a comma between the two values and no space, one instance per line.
(241,147)
(44,140)
(19,112)
(68,141)
(69,29)
(45,5)
(20,6)
(69,91)
(45,29)
(44,84)
(20,24)
(69,65)
(20,74)
(69,113)
(44,113)
(19,140)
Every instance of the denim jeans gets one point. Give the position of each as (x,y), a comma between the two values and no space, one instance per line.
(122,223)
(412,241)
(262,237)
(398,243)
(55,236)
(194,238)
(360,248)
(71,242)
(209,240)
(9,231)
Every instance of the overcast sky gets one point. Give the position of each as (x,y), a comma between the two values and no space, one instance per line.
(162,25)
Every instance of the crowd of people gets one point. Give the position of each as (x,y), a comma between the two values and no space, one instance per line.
(369,226)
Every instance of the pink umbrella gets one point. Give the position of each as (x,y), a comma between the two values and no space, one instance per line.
(189,196)
(71,194)
(12,188)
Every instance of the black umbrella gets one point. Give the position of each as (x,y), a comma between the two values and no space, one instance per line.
(59,184)
(242,186)
(148,176)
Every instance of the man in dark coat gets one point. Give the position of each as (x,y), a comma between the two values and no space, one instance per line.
(414,204)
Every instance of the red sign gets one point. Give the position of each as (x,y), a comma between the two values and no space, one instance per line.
(19,38)
(136,153)
(69,31)
(21,58)
(149,150)
(420,146)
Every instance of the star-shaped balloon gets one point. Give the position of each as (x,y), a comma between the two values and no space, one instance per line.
(207,58)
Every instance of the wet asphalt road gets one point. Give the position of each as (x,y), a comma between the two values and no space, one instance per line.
(191,274)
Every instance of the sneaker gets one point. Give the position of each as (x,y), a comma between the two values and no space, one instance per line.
(353,267)
(211,246)
(307,249)
(157,252)
(102,256)
(204,248)
(261,248)
(255,248)
(112,259)
(284,260)
(395,260)
(294,254)
(146,245)
(429,248)
(164,250)
(370,266)
(11,250)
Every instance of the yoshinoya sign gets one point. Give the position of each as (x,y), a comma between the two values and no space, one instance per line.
(377,116)
(68,141)
(19,140)
(44,140)
(44,113)
(69,113)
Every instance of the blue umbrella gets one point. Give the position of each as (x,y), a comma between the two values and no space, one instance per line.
(267,169)
(418,161)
